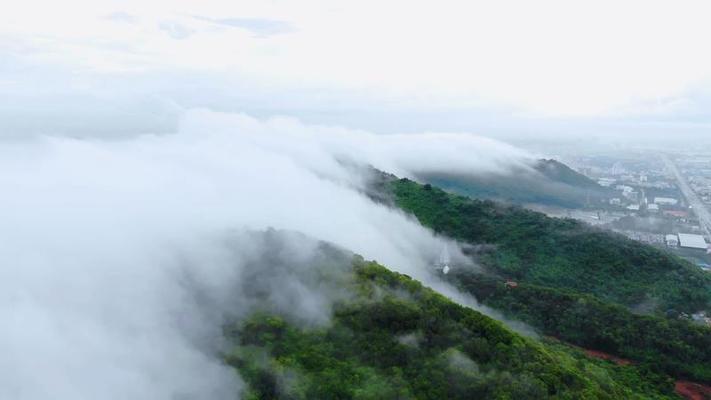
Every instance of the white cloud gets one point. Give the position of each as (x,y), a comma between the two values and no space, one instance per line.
(547,57)
(175,30)
(260,27)
(121,17)
(98,237)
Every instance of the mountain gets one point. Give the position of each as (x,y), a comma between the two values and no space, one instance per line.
(563,253)
(559,172)
(548,182)
(389,337)
(580,284)
(324,323)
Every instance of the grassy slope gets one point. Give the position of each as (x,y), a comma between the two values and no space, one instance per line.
(395,339)
(561,253)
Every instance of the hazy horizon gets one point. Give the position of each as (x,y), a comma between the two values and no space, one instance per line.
(553,70)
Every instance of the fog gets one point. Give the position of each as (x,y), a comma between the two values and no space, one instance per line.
(122,258)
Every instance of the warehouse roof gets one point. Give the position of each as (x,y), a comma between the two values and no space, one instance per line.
(692,241)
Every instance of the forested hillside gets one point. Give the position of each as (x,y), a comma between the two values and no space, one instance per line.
(671,346)
(379,334)
(392,338)
(530,247)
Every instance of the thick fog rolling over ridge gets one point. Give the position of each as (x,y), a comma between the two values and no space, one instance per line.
(98,237)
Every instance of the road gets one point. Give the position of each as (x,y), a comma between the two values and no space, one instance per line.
(692,198)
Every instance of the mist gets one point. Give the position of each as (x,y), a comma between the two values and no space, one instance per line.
(123,258)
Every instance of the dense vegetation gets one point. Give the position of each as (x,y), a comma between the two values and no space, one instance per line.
(549,182)
(669,346)
(392,338)
(561,253)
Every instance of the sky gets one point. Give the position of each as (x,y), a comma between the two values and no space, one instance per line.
(512,69)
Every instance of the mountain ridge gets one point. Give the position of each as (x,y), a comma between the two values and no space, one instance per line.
(548,182)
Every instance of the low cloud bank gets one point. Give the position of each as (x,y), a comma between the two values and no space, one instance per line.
(103,243)
(402,154)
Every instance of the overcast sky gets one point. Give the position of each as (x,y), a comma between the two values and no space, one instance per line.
(517,68)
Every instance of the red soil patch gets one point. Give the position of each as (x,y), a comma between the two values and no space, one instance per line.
(596,353)
(693,391)
(608,357)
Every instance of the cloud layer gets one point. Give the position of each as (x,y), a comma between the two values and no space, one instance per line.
(99,237)
(550,57)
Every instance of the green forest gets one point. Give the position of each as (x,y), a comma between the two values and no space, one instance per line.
(562,253)
(395,339)
(389,337)
(574,282)
(670,346)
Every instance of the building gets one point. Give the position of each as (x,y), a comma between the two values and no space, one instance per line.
(690,241)
(666,201)
(618,169)
(625,188)
(676,214)
(444,260)
(633,195)
(606,182)
(672,240)
(633,207)
(653,208)
(701,318)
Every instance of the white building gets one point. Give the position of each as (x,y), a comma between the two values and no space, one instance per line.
(606,182)
(653,208)
(665,201)
(690,241)
(625,188)
(672,240)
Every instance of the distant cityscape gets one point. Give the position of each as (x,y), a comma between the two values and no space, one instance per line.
(660,200)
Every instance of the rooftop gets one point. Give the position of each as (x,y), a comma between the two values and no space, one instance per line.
(692,241)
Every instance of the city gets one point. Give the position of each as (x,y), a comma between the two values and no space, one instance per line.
(659,200)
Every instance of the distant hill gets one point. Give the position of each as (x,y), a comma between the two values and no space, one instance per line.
(559,172)
(549,182)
